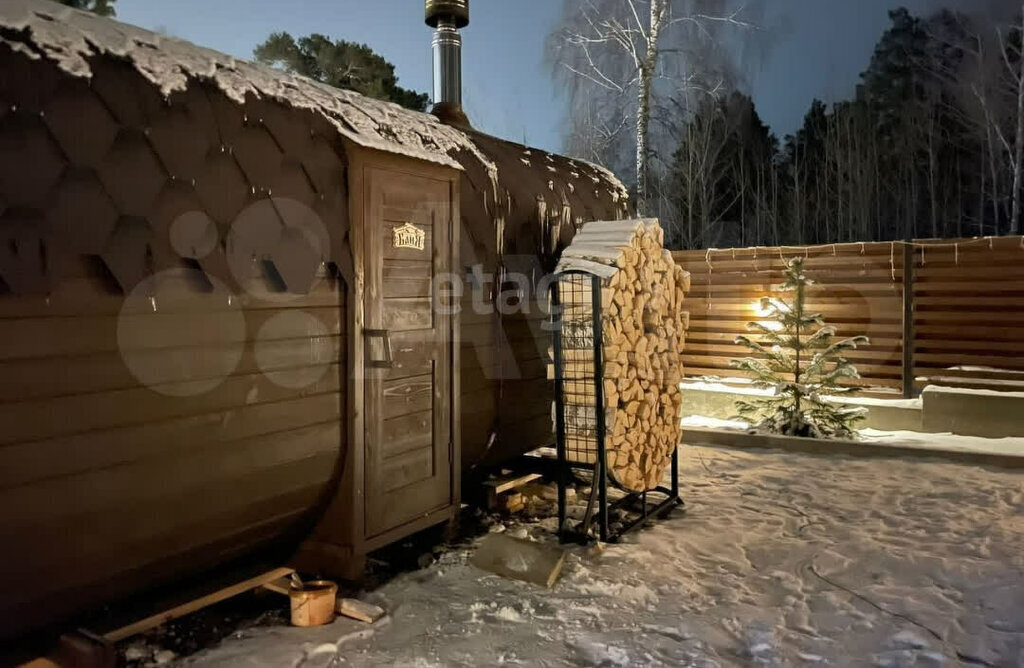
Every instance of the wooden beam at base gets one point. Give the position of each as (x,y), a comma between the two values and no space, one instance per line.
(281,585)
(510,482)
(196,604)
(80,649)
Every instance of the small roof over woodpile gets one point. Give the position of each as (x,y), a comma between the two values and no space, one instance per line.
(600,247)
(69,37)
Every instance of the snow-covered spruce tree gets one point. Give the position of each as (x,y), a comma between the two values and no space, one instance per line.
(798,356)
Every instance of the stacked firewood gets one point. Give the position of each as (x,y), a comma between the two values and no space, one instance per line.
(643,327)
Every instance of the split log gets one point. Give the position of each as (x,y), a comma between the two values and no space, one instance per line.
(643,328)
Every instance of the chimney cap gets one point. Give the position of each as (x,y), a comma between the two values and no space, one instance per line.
(455,11)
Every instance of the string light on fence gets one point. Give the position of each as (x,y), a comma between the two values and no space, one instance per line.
(805,250)
(707,258)
(862,245)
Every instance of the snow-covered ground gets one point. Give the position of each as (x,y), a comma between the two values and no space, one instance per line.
(906,439)
(779,559)
(950,442)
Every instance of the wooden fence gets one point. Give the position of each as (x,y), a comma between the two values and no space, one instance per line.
(958,303)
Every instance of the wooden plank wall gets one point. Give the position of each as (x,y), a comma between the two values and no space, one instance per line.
(137,457)
(967,303)
(479,369)
(527,394)
(516,223)
(504,366)
(859,290)
(167,401)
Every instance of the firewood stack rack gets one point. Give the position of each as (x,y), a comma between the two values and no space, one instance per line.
(582,422)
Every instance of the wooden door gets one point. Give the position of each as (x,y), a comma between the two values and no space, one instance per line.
(408,403)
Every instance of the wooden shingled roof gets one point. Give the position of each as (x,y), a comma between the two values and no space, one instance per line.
(71,38)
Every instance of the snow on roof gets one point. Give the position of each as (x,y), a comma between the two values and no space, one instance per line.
(597,245)
(69,38)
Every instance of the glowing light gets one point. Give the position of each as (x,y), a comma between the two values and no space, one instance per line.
(779,305)
(766,307)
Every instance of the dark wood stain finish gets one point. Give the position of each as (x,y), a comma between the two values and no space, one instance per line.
(519,224)
(112,459)
(117,474)
(402,473)
(407,474)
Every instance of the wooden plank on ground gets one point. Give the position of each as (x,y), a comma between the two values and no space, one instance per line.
(356,609)
(519,559)
(196,604)
(282,585)
(509,482)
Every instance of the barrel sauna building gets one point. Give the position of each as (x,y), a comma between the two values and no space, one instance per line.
(220,333)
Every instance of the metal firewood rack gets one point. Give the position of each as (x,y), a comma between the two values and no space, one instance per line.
(581,426)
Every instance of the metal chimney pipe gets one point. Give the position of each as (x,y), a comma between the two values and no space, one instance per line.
(447,17)
(447,46)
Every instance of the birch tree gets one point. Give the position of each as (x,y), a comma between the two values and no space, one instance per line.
(930,144)
(990,82)
(621,60)
(645,73)
(1015,70)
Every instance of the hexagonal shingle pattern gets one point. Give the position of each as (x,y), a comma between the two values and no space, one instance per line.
(108,168)
(32,161)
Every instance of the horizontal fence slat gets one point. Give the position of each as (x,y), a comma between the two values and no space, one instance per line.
(968,303)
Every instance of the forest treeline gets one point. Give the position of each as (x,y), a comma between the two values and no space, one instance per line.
(930,146)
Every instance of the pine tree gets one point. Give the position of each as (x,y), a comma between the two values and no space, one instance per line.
(101,7)
(341,64)
(798,344)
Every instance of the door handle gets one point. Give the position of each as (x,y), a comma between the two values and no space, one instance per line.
(389,357)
